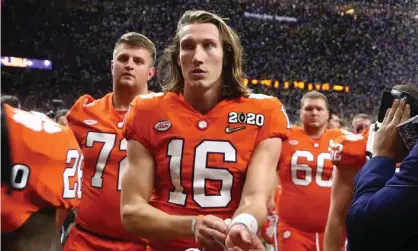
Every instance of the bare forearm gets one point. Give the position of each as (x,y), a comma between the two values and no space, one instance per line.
(151,223)
(334,234)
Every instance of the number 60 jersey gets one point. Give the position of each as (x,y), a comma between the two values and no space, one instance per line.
(305,171)
(46,168)
(201,160)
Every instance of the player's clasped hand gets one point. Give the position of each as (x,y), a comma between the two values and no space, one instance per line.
(210,231)
(239,238)
(388,142)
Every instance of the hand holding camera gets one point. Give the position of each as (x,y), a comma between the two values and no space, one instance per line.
(387,142)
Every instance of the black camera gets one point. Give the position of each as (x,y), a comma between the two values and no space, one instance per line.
(408,131)
(389,95)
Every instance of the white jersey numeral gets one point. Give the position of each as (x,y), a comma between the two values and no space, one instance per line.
(108,141)
(20,176)
(73,191)
(201,173)
(297,168)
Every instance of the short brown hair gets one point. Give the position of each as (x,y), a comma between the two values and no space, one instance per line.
(410,89)
(343,123)
(137,40)
(314,95)
(169,71)
(362,116)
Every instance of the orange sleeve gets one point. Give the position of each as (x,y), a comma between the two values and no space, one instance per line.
(349,150)
(135,124)
(74,118)
(49,163)
(53,158)
(276,122)
(59,180)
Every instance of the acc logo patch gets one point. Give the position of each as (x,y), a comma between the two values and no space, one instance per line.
(162,125)
(90,122)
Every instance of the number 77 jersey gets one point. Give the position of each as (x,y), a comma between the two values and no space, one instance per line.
(305,172)
(97,126)
(201,160)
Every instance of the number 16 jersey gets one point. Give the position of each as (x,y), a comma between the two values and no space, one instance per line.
(201,160)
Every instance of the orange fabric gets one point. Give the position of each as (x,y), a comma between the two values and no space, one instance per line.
(305,171)
(349,150)
(269,228)
(291,238)
(97,127)
(212,157)
(50,155)
(78,240)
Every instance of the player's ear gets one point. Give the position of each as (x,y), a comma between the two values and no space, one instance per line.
(151,72)
(111,66)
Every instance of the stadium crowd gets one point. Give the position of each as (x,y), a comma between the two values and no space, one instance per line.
(185,180)
(367,50)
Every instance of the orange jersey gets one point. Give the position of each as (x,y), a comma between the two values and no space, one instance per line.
(201,160)
(305,172)
(46,168)
(349,150)
(98,129)
(269,228)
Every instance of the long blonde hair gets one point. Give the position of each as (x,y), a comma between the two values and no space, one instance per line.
(169,71)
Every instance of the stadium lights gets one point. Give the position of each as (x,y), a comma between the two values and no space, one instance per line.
(350,11)
(26,63)
(327,87)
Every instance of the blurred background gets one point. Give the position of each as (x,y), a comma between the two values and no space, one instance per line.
(53,51)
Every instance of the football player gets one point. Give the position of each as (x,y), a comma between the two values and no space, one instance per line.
(43,174)
(360,123)
(97,125)
(198,152)
(305,177)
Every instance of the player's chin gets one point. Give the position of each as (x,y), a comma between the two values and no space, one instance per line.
(314,124)
(199,84)
(127,82)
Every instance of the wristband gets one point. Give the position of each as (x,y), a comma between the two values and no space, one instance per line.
(247,220)
(195,219)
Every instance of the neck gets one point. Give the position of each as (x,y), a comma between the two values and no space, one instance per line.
(202,101)
(122,97)
(314,132)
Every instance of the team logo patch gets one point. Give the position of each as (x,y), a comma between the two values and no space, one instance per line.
(287,234)
(162,125)
(90,122)
(202,124)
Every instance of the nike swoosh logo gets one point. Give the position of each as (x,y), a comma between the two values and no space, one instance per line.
(229,130)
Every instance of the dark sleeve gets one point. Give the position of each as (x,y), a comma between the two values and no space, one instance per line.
(382,199)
